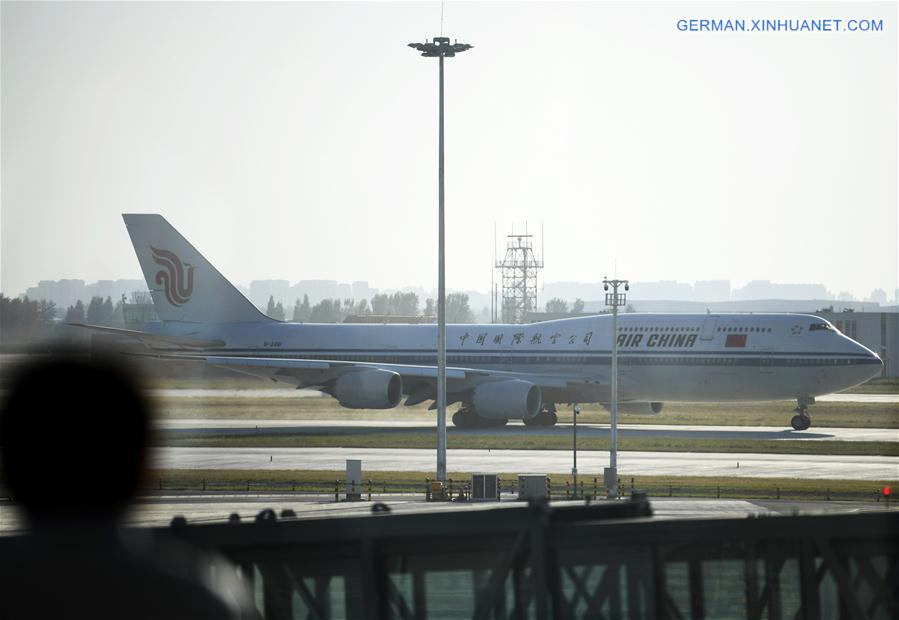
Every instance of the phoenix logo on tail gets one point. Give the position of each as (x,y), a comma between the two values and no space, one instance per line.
(178,289)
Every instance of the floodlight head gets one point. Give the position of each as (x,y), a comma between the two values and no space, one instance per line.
(605,287)
(627,287)
(440,47)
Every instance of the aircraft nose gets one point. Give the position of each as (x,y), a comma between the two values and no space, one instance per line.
(869,356)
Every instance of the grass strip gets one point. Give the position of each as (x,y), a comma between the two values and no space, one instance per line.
(775,413)
(323,482)
(537,442)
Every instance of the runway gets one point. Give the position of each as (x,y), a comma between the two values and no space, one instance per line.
(304,393)
(174,428)
(859,398)
(541,461)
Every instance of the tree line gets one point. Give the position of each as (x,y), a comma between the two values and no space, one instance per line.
(560,306)
(383,304)
(23,319)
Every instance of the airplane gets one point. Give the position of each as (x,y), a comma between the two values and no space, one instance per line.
(497,372)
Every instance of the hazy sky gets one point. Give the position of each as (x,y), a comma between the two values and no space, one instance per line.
(299,141)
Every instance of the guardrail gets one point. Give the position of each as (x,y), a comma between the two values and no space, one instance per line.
(539,561)
(559,488)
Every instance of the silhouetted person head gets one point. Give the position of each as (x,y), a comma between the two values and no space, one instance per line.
(73,439)
(74,430)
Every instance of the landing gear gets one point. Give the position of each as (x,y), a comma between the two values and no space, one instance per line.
(546,417)
(802,420)
(467,418)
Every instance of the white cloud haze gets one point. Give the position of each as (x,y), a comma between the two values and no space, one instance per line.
(298,141)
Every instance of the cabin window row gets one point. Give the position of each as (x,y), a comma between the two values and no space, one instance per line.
(625,361)
(743,330)
(658,329)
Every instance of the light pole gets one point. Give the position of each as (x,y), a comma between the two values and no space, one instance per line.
(575,411)
(614,299)
(440,48)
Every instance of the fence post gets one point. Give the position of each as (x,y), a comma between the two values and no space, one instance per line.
(632,484)
(669,490)
(248,486)
(450,481)
(567,490)
(427,489)
(778,492)
(369,489)
(594,487)
(337,490)
(719,491)
(582,489)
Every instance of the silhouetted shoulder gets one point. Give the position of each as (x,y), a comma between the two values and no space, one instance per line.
(43,578)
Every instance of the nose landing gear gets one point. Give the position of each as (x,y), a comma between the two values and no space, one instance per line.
(802,420)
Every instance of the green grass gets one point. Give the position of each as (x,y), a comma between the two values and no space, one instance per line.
(777,413)
(535,442)
(414,482)
(876,386)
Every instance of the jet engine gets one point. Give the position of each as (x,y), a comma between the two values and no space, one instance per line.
(502,400)
(369,389)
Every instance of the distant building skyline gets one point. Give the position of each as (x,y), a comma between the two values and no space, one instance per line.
(66,292)
(273,139)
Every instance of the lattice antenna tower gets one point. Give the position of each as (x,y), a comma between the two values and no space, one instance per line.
(519,268)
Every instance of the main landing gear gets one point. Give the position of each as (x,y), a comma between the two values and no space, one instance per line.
(467,418)
(546,417)
(802,420)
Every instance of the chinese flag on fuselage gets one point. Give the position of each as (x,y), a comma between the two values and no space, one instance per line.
(735,340)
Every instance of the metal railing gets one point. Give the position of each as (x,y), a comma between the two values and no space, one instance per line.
(558,488)
(535,561)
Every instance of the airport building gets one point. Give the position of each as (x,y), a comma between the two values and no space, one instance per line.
(879,331)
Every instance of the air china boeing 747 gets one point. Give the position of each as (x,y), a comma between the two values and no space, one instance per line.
(496,372)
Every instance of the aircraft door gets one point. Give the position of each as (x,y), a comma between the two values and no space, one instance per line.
(766,361)
(709,325)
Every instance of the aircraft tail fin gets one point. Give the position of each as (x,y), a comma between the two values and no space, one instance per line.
(184,285)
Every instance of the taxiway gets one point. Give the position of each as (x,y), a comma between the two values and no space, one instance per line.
(175,428)
(818,466)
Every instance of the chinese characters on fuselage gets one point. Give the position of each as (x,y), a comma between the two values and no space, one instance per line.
(650,341)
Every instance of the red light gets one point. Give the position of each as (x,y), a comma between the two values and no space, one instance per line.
(887,491)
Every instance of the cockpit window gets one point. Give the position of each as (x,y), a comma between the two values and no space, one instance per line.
(821,326)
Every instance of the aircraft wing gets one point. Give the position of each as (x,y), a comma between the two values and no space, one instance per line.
(420,380)
(154,341)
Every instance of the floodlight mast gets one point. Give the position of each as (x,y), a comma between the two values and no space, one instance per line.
(441,48)
(614,299)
